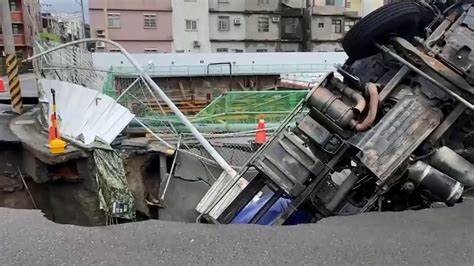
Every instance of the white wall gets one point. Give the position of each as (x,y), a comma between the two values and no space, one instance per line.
(235,32)
(106,60)
(233,5)
(327,47)
(232,46)
(252,47)
(370,5)
(294,47)
(325,33)
(252,33)
(295,3)
(254,5)
(184,40)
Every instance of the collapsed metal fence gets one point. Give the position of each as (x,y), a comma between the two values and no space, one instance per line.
(229,121)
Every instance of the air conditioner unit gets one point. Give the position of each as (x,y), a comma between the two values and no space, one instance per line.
(237,21)
(275,19)
(100,33)
(100,45)
(196,44)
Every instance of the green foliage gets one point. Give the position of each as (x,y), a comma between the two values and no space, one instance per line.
(47,36)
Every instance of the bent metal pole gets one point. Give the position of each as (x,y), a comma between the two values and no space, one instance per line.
(215,155)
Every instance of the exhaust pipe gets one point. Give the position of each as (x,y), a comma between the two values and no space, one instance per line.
(453,164)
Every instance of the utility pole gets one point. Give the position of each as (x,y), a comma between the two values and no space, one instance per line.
(12,61)
(83,21)
(106,18)
(307,19)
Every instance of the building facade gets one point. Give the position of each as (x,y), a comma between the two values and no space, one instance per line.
(202,26)
(369,6)
(330,21)
(243,26)
(191,26)
(26,22)
(67,27)
(143,26)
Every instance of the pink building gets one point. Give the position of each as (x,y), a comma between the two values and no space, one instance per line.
(25,15)
(141,26)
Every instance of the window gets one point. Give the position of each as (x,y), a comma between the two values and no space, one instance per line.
(191,25)
(348,25)
(348,4)
(14,6)
(330,2)
(263,24)
(262,50)
(238,50)
(321,25)
(337,26)
(223,1)
(151,50)
(222,50)
(114,50)
(17,29)
(150,21)
(262,2)
(113,20)
(223,23)
(290,25)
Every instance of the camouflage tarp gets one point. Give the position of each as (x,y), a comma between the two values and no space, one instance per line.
(115,196)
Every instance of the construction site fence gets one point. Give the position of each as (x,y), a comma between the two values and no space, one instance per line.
(229,122)
(274,69)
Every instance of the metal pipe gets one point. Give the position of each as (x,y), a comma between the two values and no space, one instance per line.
(230,71)
(454,165)
(27,188)
(373,108)
(393,83)
(342,191)
(173,165)
(355,96)
(386,50)
(214,154)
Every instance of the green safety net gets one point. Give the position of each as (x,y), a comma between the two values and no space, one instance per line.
(116,198)
(233,111)
(246,107)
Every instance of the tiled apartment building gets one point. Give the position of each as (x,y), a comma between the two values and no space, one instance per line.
(187,26)
(140,26)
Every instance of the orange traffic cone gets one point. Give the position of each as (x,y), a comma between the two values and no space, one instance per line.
(261,136)
(2,86)
(53,129)
(56,144)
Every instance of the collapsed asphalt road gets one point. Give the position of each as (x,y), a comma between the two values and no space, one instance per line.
(429,237)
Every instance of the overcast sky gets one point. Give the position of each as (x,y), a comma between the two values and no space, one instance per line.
(66,6)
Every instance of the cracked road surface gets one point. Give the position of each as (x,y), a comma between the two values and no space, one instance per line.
(429,237)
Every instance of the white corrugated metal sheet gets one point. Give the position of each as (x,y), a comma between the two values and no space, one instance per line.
(85,113)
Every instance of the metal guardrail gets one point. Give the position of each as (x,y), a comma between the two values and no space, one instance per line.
(167,71)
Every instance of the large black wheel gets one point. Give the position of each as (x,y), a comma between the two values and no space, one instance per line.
(401,19)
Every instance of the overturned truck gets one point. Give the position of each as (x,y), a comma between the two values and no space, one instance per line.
(397,133)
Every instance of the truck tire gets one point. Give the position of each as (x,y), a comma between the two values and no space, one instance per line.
(401,19)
